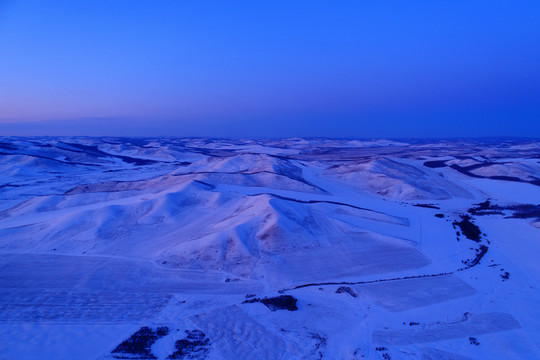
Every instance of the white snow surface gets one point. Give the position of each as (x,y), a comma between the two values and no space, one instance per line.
(101,238)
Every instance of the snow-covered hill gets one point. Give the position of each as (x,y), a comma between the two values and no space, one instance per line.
(269,249)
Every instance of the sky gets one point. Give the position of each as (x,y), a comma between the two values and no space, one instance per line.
(362,69)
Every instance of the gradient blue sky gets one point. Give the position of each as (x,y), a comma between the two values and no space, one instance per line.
(270,68)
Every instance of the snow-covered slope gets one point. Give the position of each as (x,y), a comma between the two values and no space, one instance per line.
(268,249)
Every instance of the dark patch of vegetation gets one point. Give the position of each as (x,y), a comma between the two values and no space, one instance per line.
(505,276)
(282,302)
(140,343)
(7,146)
(41,145)
(470,230)
(473,341)
(414,323)
(440,216)
(381,348)
(525,211)
(522,211)
(435,164)
(93,150)
(485,208)
(466,170)
(346,289)
(251,301)
(80,148)
(162,331)
(481,251)
(9,185)
(483,205)
(429,206)
(194,346)
(489,212)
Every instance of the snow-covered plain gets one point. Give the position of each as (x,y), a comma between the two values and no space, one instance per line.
(171,249)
